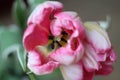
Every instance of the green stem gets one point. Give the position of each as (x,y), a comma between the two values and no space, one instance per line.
(31,76)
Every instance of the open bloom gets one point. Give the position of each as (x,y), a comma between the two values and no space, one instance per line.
(55,38)
(99,54)
(52,38)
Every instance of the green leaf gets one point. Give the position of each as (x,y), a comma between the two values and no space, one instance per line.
(20,13)
(11,42)
(9,37)
(21,54)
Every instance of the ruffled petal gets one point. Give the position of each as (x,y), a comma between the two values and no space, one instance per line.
(88,75)
(39,23)
(68,21)
(72,72)
(90,59)
(111,55)
(75,45)
(106,66)
(63,55)
(43,13)
(66,55)
(97,37)
(104,70)
(103,52)
(34,36)
(38,65)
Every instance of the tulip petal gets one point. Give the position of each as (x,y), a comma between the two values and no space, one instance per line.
(104,70)
(67,56)
(34,36)
(112,55)
(38,65)
(72,72)
(97,37)
(90,59)
(75,45)
(106,66)
(88,75)
(68,21)
(63,55)
(39,23)
(43,13)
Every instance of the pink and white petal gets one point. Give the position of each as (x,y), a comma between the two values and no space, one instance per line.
(60,23)
(90,63)
(97,37)
(94,54)
(90,59)
(66,20)
(110,58)
(104,70)
(80,27)
(88,75)
(37,64)
(63,55)
(55,27)
(66,55)
(34,36)
(76,46)
(43,12)
(66,15)
(72,72)
(112,55)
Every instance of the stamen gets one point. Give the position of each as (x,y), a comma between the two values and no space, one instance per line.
(52,46)
(50,37)
(64,33)
(58,43)
(64,40)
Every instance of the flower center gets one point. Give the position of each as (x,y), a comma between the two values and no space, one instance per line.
(59,41)
(54,43)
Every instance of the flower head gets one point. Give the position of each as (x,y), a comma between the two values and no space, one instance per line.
(56,38)
(52,38)
(99,54)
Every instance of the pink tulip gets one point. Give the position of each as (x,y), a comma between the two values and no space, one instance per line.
(99,54)
(67,24)
(36,35)
(58,39)
(52,38)
(97,59)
